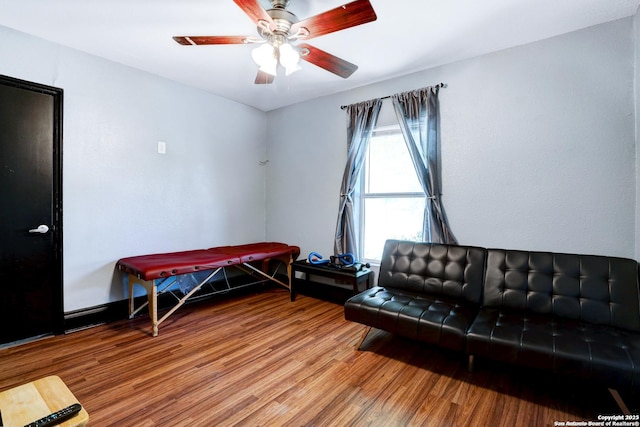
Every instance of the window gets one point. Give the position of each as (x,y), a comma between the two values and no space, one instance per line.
(391,197)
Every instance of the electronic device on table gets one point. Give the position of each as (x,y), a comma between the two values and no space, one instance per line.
(345,262)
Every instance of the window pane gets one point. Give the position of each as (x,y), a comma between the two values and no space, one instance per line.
(389,166)
(391,218)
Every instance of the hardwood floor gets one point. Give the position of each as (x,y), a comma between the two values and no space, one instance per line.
(261,360)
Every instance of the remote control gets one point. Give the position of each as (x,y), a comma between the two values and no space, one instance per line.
(57,417)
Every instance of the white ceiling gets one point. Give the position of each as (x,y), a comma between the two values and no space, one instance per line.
(409,35)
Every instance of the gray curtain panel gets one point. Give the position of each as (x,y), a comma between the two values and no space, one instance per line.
(362,118)
(418,113)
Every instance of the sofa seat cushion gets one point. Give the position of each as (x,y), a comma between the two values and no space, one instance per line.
(561,345)
(432,319)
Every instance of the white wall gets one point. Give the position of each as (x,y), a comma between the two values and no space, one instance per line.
(538,148)
(122,198)
(636,25)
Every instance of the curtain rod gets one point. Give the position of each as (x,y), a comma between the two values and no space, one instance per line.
(442,85)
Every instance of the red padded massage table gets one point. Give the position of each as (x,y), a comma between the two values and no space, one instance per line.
(153,271)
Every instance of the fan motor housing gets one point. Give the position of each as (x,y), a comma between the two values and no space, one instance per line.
(283,19)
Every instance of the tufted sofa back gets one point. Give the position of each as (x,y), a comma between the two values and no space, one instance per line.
(596,289)
(433,269)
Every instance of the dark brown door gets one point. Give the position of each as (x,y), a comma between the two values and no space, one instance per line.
(30,210)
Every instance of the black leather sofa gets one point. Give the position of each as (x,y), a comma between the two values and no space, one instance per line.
(565,313)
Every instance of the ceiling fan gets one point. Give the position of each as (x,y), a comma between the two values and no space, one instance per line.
(278,27)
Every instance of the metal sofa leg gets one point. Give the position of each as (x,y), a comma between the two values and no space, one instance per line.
(364,336)
(616,396)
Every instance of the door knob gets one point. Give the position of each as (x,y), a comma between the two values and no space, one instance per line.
(42,229)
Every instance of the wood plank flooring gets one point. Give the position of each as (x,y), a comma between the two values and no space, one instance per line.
(260,360)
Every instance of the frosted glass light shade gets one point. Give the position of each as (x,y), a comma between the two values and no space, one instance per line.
(289,58)
(266,58)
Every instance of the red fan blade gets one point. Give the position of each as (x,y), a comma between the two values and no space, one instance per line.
(256,12)
(327,61)
(349,15)
(264,78)
(198,40)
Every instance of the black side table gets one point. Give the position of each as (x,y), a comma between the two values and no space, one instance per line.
(358,280)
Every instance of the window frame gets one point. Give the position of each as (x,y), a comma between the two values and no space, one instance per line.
(363,195)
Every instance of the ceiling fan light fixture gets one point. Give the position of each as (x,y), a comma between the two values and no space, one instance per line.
(278,27)
(289,58)
(266,58)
